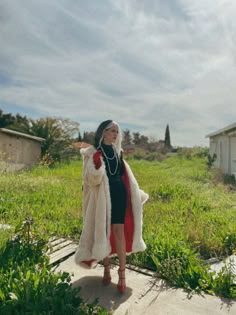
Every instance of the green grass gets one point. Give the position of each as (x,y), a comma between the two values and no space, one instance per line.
(53,197)
(189,216)
(185,204)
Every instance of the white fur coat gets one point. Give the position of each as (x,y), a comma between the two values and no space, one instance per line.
(94,243)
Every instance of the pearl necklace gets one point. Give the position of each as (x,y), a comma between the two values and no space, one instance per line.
(108,158)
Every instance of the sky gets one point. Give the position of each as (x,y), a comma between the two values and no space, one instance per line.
(144,64)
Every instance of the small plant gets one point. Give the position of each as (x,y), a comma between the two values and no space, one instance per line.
(225,282)
(47,160)
(230,242)
(211,160)
(24,246)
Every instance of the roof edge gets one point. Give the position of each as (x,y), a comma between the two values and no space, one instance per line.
(222,130)
(21,134)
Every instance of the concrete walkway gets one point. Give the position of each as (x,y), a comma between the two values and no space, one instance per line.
(145,295)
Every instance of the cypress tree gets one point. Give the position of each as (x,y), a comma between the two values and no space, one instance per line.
(167,137)
(79,137)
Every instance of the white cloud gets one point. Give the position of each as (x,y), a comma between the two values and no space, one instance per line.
(145,64)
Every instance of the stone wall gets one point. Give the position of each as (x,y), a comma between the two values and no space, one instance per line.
(17,152)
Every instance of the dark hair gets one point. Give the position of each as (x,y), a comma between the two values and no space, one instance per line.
(99,132)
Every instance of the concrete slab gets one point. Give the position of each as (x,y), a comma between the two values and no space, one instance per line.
(144,295)
(230,262)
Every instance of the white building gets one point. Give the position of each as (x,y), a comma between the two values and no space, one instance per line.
(223,144)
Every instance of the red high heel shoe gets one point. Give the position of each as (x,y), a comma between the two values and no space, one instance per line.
(121,287)
(106,277)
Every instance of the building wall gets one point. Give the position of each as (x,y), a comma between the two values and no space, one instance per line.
(220,146)
(233,155)
(225,149)
(17,152)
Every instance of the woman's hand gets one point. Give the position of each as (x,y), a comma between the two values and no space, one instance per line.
(97,159)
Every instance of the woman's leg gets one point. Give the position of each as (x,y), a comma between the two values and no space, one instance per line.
(119,235)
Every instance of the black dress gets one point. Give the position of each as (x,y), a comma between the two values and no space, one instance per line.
(114,170)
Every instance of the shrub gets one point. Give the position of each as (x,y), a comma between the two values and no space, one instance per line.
(30,286)
(141,154)
(229,180)
(195,152)
(211,160)
(47,160)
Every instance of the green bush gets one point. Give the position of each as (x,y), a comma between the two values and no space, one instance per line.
(30,286)
(141,154)
(211,160)
(195,152)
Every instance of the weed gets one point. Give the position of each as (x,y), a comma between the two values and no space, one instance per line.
(225,281)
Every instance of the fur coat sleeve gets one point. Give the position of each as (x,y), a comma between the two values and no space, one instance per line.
(97,239)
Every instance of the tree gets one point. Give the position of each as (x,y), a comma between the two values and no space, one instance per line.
(6,119)
(17,123)
(57,132)
(21,124)
(136,138)
(127,139)
(89,137)
(79,137)
(167,137)
(143,141)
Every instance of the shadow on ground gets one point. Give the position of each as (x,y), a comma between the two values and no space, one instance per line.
(145,294)
(108,296)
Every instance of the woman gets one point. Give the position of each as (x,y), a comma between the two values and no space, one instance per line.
(112,205)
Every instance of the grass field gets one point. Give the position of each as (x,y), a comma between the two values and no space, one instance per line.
(190,215)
